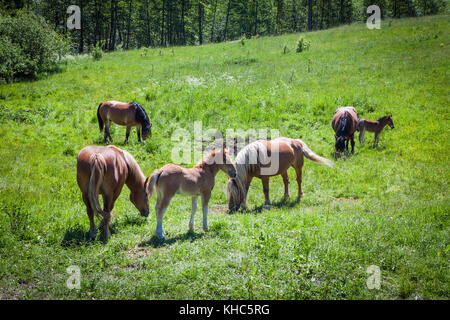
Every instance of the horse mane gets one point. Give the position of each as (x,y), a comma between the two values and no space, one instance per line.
(247,162)
(343,125)
(141,116)
(383,118)
(134,170)
(205,160)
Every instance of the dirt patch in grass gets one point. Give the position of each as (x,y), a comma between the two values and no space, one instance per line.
(218,208)
(346,200)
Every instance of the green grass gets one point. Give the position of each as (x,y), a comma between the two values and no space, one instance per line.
(387,206)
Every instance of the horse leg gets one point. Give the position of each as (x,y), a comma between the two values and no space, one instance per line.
(90,213)
(127,135)
(353,142)
(286,185)
(138,128)
(346,144)
(193,210)
(265,183)
(160,208)
(205,201)
(106,131)
(298,171)
(108,205)
(247,186)
(377,138)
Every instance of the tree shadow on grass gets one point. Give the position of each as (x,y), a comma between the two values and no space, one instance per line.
(155,242)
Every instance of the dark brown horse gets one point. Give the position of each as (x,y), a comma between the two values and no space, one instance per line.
(125,114)
(345,123)
(104,170)
(264,159)
(374,126)
(194,182)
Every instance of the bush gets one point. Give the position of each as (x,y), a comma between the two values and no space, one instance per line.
(28,46)
(97,53)
(303,45)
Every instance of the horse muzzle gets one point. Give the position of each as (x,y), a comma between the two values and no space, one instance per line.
(392,127)
(145,212)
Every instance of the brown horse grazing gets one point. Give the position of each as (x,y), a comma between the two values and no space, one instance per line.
(104,170)
(264,159)
(345,123)
(374,126)
(124,114)
(198,181)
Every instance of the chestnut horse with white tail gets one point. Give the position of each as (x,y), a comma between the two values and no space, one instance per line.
(374,126)
(125,114)
(198,181)
(264,159)
(104,170)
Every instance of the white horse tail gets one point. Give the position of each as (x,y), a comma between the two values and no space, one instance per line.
(314,157)
(362,130)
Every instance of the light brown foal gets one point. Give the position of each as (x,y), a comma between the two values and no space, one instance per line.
(198,181)
(374,126)
(104,170)
(264,159)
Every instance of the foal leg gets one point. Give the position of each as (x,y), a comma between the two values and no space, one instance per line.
(286,185)
(205,201)
(265,183)
(127,135)
(161,206)
(377,138)
(193,210)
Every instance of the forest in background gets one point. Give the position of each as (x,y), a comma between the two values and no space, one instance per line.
(126,24)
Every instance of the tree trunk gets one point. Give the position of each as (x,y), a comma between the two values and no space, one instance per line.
(310,15)
(255,31)
(226,21)
(81,49)
(200,18)
(130,2)
(213,22)
(183,28)
(163,13)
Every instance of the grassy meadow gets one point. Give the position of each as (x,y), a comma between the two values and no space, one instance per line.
(387,206)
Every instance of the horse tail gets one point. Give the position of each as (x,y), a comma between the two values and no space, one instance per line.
(362,130)
(152,182)
(100,120)
(98,170)
(314,157)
